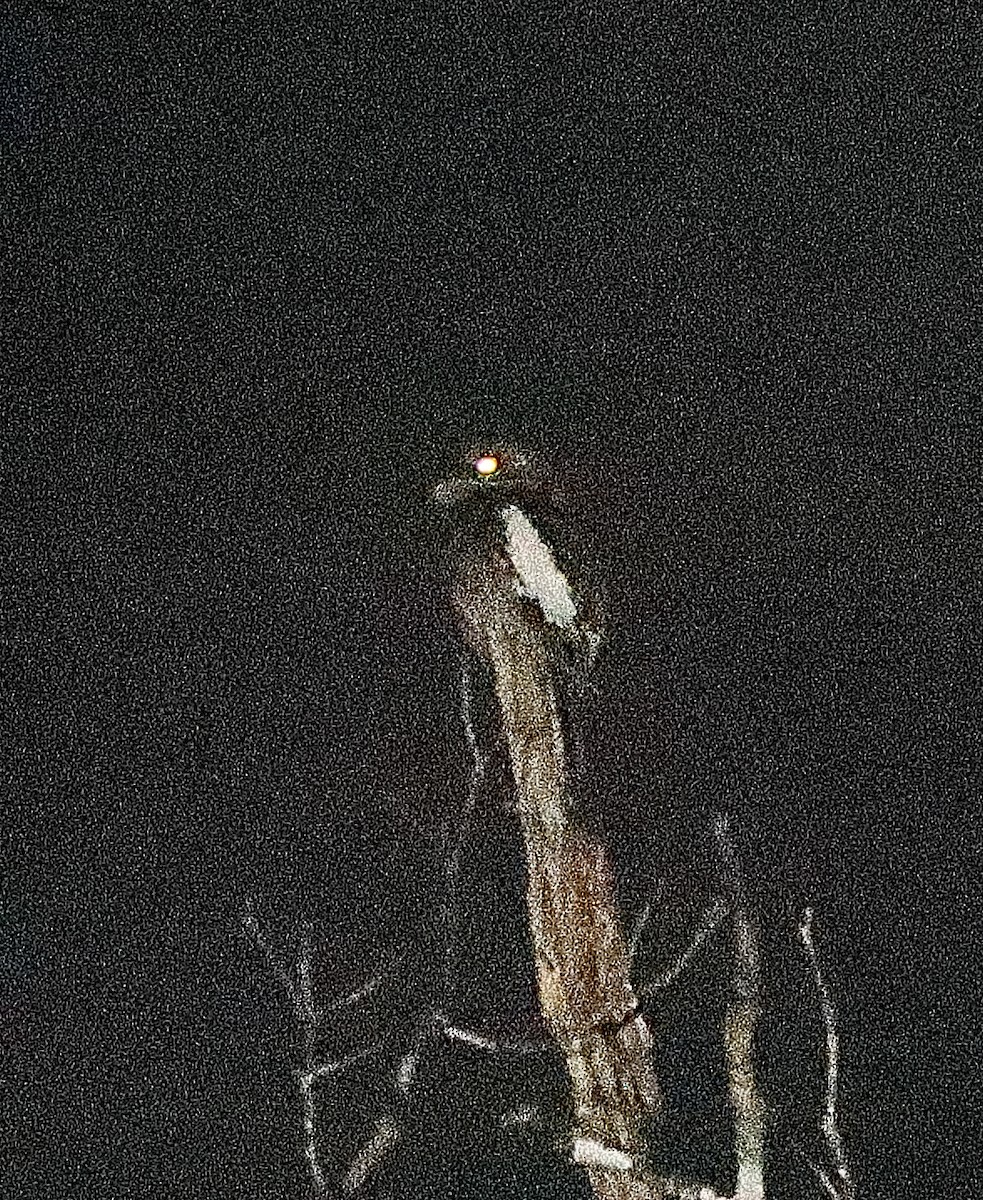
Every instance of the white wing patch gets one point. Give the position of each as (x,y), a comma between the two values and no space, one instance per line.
(590,1153)
(539,578)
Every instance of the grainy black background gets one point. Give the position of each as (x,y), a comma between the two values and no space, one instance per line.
(269,268)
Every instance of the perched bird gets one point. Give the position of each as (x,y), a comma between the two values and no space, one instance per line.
(504,507)
(507,572)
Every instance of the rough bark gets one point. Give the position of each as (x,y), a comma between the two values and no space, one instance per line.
(581,956)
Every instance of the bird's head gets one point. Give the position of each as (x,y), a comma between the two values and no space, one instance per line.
(492,472)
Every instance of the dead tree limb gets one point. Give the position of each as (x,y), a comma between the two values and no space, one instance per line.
(836,1180)
(740,1025)
(582,961)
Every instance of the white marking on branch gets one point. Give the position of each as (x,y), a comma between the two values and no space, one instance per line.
(590,1153)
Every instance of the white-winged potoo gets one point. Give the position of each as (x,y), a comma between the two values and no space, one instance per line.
(505,517)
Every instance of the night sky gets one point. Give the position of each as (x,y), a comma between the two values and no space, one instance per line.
(270,271)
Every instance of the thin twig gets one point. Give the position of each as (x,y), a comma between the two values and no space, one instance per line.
(457,831)
(306,1078)
(641,923)
(828,1125)
(305,987)
(251,925)
(710,922)
(366,989)
(480,1041)
(309,1119)
(383,1141)
(326,1069)
(301,994)
(826,1180)
(407,1066)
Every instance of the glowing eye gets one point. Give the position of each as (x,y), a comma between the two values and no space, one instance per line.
(486,465)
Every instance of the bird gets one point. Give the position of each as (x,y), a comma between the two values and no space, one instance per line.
(505,506)
(510,562)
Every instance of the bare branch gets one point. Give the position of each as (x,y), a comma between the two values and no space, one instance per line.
(709,923)
(309,1119)
(301,993)
(656,895)
(366,989)
(641,923)
(480,1041)
(380,1145)
(829,1128)
(305,988)
(251,926)
(407,1066)
(740,1024)
(337,1066)
(456,831)
(825,1179)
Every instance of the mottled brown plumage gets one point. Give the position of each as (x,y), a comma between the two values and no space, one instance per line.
(504,523)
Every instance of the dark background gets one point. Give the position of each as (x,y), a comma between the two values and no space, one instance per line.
(269,270)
